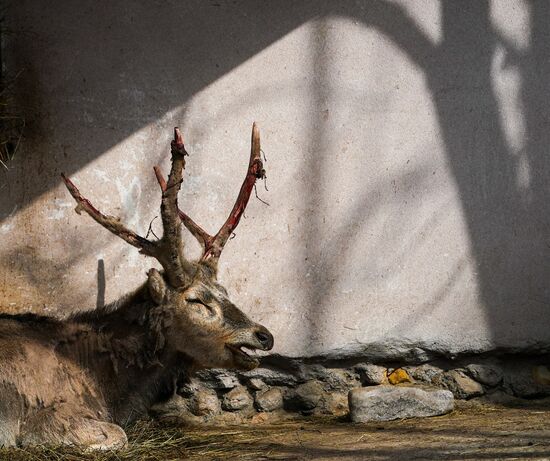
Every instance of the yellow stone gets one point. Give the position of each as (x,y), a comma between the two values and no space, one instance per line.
(399,376)
(541,375)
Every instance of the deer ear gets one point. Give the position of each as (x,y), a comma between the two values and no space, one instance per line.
(156,285)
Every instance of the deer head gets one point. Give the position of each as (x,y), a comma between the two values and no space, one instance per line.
(205,325)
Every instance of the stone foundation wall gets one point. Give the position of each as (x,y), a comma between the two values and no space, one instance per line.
(290,388)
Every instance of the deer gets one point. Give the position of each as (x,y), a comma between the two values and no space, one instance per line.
(78,380)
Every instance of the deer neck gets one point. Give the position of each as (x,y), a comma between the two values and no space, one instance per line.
(127,353)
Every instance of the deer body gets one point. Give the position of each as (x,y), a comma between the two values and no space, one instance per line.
(76,381)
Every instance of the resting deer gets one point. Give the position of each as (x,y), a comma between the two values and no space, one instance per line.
(75,381)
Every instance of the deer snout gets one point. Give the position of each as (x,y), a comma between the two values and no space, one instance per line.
(265,338)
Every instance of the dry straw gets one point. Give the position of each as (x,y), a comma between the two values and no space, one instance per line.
(12,122)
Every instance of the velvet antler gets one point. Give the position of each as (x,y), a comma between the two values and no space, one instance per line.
(213,245)
(169,249)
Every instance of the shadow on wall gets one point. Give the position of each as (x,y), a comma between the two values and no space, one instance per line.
(119,68)
(91,77)
(504,191)
(128,66)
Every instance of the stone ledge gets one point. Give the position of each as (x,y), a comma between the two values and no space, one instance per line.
(386,403)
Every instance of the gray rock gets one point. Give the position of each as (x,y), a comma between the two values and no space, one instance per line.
(335,379)
(270,376)
(524,380)
(256,384)
(174,407)
(227,381)
(424,373)
(336,403)
(205,403)
(269,400)
(236,399)
(190,388)
(541,375)
(305,397)
(461,385)
(371,374)
(500,398)
(218,379)
(339,379)
(386,403)
(488,374)
(310,372)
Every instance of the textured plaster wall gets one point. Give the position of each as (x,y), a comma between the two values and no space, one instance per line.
(407,162)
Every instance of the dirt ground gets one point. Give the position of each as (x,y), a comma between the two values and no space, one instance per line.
(472,432)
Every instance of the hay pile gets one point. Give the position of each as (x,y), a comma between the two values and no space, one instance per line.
(472,431)
(150,441)
(12,122)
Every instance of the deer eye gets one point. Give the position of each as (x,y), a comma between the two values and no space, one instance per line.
(195,301)
(200,305)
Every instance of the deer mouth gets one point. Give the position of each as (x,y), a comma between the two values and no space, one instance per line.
(241,358)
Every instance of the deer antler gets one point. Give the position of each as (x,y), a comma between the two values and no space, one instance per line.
(201,235)
(169,249)
(111,223)
(213,245)
(171,242)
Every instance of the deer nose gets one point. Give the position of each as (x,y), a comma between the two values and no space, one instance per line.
(265,338)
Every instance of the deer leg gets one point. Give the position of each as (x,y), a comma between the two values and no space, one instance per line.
(12,409)
(62,425)
(100,435)
(9,428)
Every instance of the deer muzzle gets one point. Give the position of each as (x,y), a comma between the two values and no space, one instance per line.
(258,339)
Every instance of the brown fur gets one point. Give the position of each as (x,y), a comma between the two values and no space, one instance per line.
(69,381)
(75,381)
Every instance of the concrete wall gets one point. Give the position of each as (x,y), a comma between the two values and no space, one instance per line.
(407,150)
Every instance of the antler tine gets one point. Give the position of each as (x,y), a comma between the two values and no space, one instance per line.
(169,249)
(111,223)
(173,260)
(198,232)
(213,245)
(255,171)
